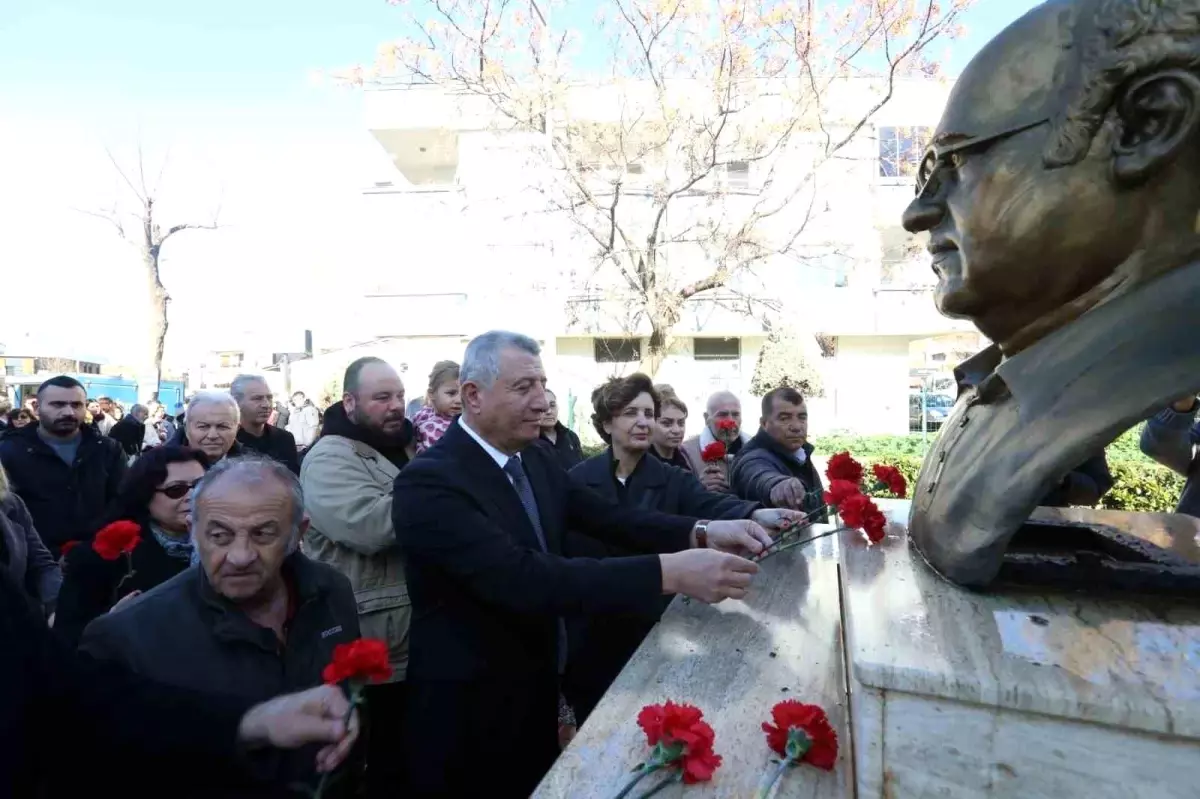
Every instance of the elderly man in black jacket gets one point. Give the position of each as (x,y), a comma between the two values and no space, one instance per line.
(51,698)
(481,519)
(625,411)
(776,467)
(255,619)
(64,471)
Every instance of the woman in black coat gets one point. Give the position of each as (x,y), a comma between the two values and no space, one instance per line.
(624,413)
(156,494)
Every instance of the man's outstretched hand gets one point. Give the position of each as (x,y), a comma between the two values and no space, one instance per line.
(738,537)
(706,574)
(317,715)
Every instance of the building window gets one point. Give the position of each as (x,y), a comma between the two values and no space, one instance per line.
(716,349)
(901,150)
(231,360)
(616,350)
(11,369)
(938,357)
(737,175)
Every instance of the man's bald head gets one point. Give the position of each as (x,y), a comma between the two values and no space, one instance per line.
(723,405)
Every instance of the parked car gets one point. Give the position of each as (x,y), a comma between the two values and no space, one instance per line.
(937,408)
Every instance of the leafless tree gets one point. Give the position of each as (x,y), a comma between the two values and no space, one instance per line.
(689,153)
(136,221)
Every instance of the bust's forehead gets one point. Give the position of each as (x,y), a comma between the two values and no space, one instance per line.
(1021,75)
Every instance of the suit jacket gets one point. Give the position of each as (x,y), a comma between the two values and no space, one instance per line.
(486,598)
(1023,422)
(694,446)
(601,645)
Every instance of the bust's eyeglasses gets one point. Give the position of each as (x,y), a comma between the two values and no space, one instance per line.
(950,155)
(177,490)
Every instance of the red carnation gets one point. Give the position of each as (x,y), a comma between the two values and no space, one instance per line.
(116,539)
(860,512)
(843,467)
(792,720)
(890,478)
(839,491)
(360,661)
(714,452)
(726,425)
(681,740)
(67,547)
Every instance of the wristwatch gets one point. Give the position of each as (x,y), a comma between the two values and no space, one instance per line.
(701,531)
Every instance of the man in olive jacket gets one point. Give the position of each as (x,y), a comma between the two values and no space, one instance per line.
(347,477)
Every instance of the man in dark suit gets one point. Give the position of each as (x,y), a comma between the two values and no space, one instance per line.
(481,519)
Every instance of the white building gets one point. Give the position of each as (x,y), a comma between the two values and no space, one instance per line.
(463,240)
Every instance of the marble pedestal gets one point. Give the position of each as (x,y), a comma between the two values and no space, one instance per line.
(934,691)
(1028,695)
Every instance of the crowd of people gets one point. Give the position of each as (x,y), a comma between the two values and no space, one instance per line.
(510,576)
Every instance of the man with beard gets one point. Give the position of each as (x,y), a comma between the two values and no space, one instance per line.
(64,470)
(255,403)
(347,478)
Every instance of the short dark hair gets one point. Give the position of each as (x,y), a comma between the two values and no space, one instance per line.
(62,381)
(611,397)
(144,477)
(354,371)
(786,393)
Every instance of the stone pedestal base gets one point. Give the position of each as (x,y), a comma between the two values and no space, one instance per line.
(969,695)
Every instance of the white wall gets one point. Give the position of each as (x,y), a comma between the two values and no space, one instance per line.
(867,387)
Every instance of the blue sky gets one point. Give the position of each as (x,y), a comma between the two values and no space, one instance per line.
(222,90)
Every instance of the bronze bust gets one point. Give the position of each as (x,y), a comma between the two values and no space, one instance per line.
(1062,198)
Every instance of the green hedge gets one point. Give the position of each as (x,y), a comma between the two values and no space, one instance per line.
(1139,484)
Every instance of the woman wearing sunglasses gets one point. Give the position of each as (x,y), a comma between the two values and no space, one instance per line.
(156,495)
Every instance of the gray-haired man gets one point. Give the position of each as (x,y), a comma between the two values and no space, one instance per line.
(255,618)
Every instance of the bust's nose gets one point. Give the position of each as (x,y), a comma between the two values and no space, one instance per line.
(922,214)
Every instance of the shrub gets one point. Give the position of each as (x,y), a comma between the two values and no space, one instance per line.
(1139,484)
(786,359)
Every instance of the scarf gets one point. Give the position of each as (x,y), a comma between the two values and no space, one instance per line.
(394,448)
(174,547)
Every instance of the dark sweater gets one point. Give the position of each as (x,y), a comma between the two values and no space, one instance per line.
(275,443)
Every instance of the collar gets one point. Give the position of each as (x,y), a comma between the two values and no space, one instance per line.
(1122,341)
(499,457)
(304,584)
(647,472)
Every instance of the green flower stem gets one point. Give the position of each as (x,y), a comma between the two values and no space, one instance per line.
(670,780)
(354,693)
(638,775)
(793,544)
(772,777)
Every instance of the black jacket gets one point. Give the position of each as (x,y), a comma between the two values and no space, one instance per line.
(90,583)
(274,443)
(1083,486)
(566,446)
(486,598)
(129,433)
(763,463)
(67,503)
(601,645)
(183,633)
(97,727)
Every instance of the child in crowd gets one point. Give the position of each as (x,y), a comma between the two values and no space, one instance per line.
(442,405)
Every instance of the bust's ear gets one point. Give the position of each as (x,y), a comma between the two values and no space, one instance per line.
(1159,116)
